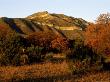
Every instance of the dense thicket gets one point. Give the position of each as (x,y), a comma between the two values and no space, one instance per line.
(97,37)
(11,45)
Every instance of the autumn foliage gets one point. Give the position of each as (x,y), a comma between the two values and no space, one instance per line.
(97,36)
(48,40)
(60,43)
(41,38)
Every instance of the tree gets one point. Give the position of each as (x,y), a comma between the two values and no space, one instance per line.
(60,43)
(97,36)
(40,44)
(103,18)
(42,38)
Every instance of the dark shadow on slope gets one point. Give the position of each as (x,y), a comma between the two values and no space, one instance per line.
(59,31)
(37,26)
(28,24)
(12,24)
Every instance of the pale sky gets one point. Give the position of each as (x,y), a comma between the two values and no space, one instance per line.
(86,9)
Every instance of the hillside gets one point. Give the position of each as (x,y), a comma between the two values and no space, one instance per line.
(25,26)
(60,20)
(44,21)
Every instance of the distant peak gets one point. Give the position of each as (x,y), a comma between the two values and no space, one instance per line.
(38,14)
(43,12)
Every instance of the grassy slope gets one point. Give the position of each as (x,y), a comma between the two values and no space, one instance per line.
(25,26)
(73,34)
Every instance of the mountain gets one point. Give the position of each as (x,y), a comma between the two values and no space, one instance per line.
(44,21)
(60,20)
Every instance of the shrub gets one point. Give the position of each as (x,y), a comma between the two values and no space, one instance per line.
(60,44)
(4,60)
(69,53)
(82,57)
(42,38)
(35,53)
(24,59)
(78,67)
(16,60)
(10,45)
(49,56)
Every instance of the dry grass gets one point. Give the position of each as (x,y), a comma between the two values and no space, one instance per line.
(43,70)
(103,76)
(49,72)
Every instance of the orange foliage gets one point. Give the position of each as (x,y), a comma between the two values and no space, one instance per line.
(41,38)
(3,32)
(48,40)
(60,43)
(97,36)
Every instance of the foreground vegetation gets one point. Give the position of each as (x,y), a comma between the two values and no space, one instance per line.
(49,72)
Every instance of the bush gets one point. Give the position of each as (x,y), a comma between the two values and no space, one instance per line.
(78,67)
(4,60)
(59,43)
(80,52)
(82,58)
(10,46)
(16,60)
(24,59)
(35,53)
(69,53)
(49,56)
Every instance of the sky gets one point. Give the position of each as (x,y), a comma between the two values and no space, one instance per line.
(86,9)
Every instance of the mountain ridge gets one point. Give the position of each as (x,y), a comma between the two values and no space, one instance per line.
(44,21)
(57,19)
